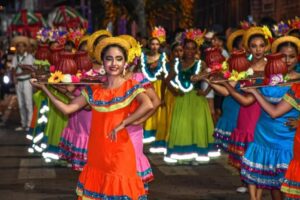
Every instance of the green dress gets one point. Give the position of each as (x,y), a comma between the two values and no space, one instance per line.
(191,131)
(57,121)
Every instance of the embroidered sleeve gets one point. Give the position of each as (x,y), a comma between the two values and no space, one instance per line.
(85,93)
(293,96)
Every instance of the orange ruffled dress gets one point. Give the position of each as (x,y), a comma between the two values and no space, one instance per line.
(291,183)
(110,172)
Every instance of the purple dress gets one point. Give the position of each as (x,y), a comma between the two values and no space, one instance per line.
(136,135)
(74,139)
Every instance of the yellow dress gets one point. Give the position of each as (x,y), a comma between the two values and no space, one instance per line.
(153,74)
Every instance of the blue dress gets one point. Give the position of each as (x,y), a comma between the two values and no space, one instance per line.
(268,156)
(227,122)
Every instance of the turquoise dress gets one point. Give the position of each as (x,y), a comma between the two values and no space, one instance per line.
(191,131)
(227,122)
(268,156)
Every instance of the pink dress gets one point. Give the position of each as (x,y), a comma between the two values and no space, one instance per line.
(74,139)
(243,134)
(136,135)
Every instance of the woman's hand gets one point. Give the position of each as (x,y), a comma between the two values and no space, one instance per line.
(35,84)
(113,135)
(292,122)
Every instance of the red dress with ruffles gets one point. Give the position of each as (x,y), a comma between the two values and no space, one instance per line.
(110,172)
(291,184)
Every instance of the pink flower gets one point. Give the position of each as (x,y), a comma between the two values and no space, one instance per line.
(216,67)
(227,74)
(75,79)
(52,68)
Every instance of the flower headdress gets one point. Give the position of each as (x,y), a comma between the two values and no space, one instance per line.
(280,29)
(75,36)
(159,33)
(43,35)
(257,30)
(196,35)
(245,25)
(135,50)
(294,23)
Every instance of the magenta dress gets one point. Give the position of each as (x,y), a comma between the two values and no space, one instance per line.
(243,134)
(136,135)
(74,139)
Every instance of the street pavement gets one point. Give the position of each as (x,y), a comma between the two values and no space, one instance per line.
(27,177)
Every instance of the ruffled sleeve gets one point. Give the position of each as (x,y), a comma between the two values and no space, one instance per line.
(293,96)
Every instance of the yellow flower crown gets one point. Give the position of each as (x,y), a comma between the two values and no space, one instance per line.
(92,39)
(232,37)
(85,38)
(110,41)
(284,39)
(135,47)
(256,30)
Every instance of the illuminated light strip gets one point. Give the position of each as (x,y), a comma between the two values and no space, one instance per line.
(203,159)
(158,150)
(47,160)
(38,137)
(29,137)
(44,109)
(42,119)
(170,160)
(148,140)
(174,85)
(184,156)
(30,150)
(158,71)
(191,87)
(37,148)
(50,155)
(214,154)
(164,66)
(44,146)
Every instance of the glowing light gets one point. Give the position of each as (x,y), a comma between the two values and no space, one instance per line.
(169,160)
(50,156)
(148,140)
(29,137)
(30,150)
(214,154)
(6,79)
(44,146)
(161,69)
(42,119)
(38,137)
(203,159)
(184,156)
(158,150)
(37,148)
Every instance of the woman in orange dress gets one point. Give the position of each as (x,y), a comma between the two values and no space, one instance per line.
(110,172)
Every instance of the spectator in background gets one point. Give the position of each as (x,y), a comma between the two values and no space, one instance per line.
(22,65)
(219,41)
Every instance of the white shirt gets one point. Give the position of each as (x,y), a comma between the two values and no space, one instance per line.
(26,59)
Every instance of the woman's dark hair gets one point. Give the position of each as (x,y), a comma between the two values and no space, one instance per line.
(154,38)
(113,45)
(237,41)
(186,41)
(295,32)
(221,37)
(98,39)
(174,45)
(257,36)
(287,44)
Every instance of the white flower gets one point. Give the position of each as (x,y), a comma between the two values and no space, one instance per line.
(102,71)
(67,78)
(250,72)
